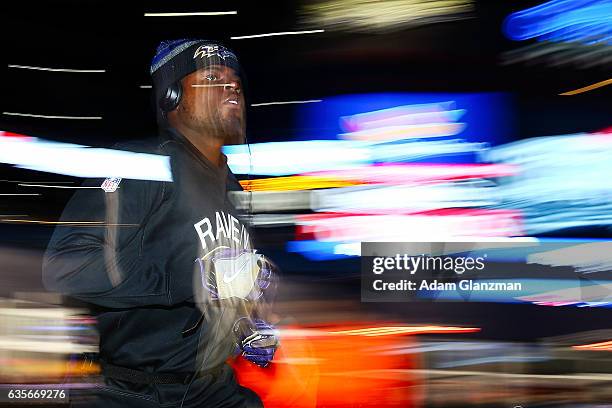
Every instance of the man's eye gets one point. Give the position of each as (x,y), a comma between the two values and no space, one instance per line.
(211,77)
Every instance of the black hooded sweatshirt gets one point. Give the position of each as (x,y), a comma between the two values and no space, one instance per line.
(139,270)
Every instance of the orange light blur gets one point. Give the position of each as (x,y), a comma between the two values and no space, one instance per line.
(295,183)
(342,366)
(50,369)
(588,88)
(395,330)
(606,345)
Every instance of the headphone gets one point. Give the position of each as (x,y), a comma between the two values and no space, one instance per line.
(171,98)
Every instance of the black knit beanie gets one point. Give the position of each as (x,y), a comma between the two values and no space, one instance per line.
(175,59)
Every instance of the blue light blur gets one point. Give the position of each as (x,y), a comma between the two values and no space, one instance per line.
(488,116)
(316,250)
(563,21)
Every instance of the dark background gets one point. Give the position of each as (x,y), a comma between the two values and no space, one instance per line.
(456,56)
(460,56)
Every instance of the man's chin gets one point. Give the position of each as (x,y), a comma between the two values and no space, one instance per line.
(233,133)
(234,139)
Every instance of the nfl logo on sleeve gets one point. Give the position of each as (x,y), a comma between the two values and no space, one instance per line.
(111,184)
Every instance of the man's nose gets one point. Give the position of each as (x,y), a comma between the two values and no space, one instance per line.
(232,86)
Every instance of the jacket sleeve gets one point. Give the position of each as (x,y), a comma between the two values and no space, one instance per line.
(95,253)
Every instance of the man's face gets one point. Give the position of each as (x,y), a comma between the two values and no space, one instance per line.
(213,104)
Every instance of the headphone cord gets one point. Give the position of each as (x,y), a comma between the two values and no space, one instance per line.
(250,210)
(203,361)
(250,214)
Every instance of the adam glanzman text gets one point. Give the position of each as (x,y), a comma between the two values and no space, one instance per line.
(413,264)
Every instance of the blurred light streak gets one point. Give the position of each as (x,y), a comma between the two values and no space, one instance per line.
(28,182)
(562,20)
(285,102)
(585,258)
(16,343)
(604,132)
(581,337)
(393,174)
(375,331)
(563,183)
(429,347)
(20,194)
(242,37)
(380,199)
(555,304)
(56,328)
(326,250)
(417,173)
(52,186)
(397,330)
(491,360)
(294,183)
(83,161)
(418,117)
(267,201)
(404,122)
(71,223)
(595,291)
(14,136)
(269,220)
(364,15)
(595,304)
(43,313)
(420,150)
(57,69)
(413,114)
(39,344)
(390,133)
(32,115)
(588,88)
(313,365)
(38,181)
(574,55)
(199,13)
(605,345)
(145,86)
(353,113)
(47,337)
(346,227)
(491,374)
(38,367)
(284,158)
